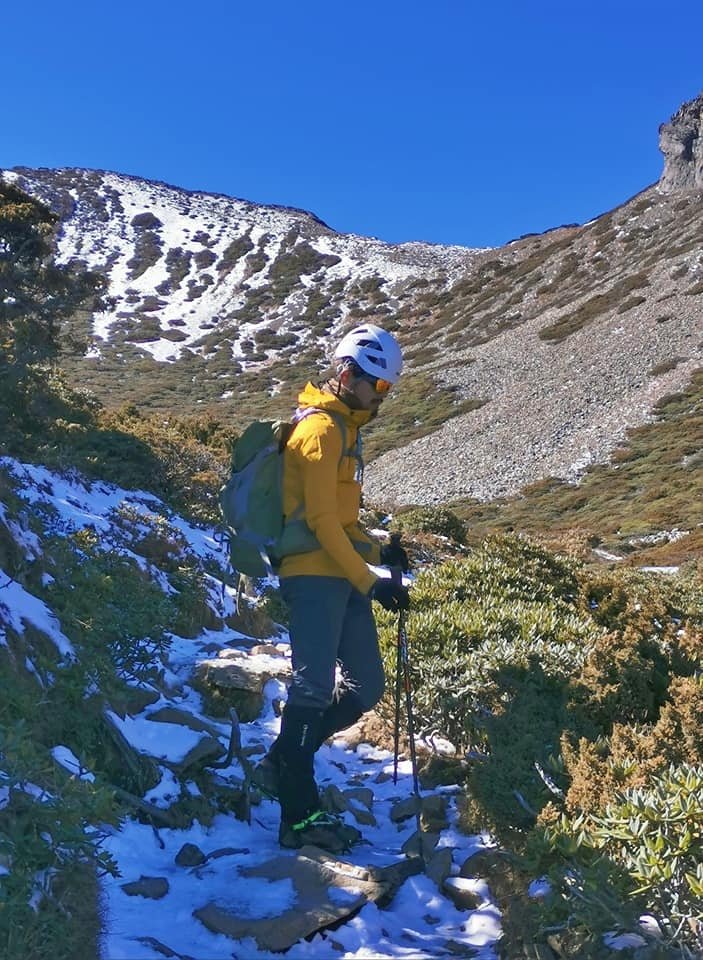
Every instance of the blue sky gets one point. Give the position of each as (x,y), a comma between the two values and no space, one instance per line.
(450,122)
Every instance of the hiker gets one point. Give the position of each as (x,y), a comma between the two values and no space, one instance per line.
(393,554)
(329,590)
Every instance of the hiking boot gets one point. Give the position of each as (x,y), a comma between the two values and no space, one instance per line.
(320,829)
(266,776)
(297,743)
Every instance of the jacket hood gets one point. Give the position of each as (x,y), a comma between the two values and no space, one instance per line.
(313,396)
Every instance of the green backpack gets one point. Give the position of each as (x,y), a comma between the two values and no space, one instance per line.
(252,499)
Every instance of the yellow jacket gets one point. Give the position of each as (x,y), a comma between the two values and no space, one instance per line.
(329,493)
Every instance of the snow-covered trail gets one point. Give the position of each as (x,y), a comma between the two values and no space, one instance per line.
(420,921)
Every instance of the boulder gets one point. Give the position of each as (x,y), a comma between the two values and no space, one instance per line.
(362,794)
(234,678)
(131,700)
(163,948)
(333,800)
(266,648)
(326,890)
(361,814)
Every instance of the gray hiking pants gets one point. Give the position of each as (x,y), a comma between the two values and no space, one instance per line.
(331,621)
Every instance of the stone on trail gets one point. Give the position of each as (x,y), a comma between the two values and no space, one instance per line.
(269,648)
(420,844)
(152,887)
(362,794)
(237,679)
(463,892)
(243,672)
(362,815)
(185,719)
(190,855)
(404,809)
(433,813)
(207,749)
(326,890)
(163,949)
(333,800)
(439,866)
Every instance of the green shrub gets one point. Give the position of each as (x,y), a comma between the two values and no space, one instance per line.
(52,849)
(643,854)
(495,641)
(437,520)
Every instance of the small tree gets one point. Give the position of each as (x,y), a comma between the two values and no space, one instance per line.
(36,294)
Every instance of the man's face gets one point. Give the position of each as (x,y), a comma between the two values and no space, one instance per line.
(369,392)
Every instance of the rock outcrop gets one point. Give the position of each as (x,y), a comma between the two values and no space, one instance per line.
(681,142)
(325,892)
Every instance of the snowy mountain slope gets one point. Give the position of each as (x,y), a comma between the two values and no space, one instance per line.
(180,264)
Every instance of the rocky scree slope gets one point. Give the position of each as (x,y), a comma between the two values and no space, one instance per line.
(599,323)
(562,341)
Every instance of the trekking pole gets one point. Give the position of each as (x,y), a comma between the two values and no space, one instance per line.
(403,667)
(398,687)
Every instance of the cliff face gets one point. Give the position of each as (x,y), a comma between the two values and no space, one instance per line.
(681,142)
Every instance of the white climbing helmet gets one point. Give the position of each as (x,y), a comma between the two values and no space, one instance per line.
(375,350)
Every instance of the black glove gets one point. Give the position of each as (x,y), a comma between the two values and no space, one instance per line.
(391,595)
(393,555)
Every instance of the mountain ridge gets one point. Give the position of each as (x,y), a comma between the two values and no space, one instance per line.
(523,361)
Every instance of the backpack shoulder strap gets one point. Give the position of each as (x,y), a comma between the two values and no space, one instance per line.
(347,451)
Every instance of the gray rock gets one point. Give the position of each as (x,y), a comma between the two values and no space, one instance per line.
(236,679)
(359,802)
(190,855)
(404,809)
(433,813)
(362,794)
(243,672)
(420,844)
(163,948)
(333,800)
(228,852)
(362,816)
(185,719)
(439,866)
(461,892)
(313,874)
(681,142)
(154,888)
(206,749)
(458,949)
(268,648)
(383,777)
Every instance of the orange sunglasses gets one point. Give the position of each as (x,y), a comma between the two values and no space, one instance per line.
(378,383)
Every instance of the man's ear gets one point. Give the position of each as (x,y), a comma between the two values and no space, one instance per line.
(346,377)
